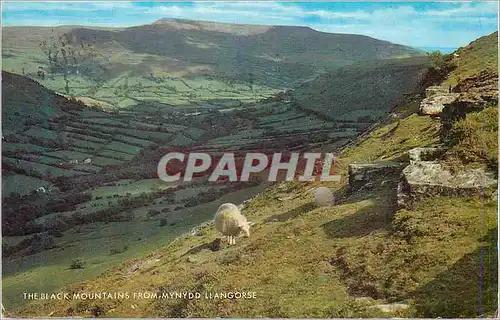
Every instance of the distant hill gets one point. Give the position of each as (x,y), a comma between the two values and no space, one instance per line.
(365,90)
(24,101)
(274,55)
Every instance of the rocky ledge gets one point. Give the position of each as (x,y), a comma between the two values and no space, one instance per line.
(471,94)
(420,175)
(435,104)
(362,174)
(430,178)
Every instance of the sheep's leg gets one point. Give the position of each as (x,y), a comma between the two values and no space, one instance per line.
(229,239)
(234,240)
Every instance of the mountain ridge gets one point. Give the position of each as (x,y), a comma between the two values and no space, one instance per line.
(276,55)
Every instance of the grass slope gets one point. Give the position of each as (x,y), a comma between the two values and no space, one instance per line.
(479,55)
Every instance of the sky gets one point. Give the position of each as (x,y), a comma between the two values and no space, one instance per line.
(417,24)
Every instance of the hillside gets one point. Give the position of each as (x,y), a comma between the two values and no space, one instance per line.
(182,62)
(372,254)
(481,54)
(363,91)
(321,262)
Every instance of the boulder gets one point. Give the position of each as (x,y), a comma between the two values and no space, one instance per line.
(361,174)
(429,179)
(435,104)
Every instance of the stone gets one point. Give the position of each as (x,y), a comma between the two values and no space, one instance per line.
(429,179)
(323,196)
(435,104)
(360,174)
(201,229)
(215,245)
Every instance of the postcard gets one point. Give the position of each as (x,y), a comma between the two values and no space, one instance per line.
(249,159)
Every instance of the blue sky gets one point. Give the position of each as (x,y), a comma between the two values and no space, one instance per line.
(419,24)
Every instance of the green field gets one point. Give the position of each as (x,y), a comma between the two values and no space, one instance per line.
(21,184)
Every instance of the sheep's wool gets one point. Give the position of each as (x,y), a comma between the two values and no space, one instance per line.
(323,196)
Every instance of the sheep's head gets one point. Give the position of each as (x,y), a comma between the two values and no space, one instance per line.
(245,228)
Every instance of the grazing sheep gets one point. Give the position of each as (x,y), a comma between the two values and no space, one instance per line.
(323,196)
(41,190)
(231,223)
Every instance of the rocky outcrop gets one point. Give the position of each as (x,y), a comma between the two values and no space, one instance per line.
(435,104)
(361,174)
(420,175)
(433,90)
(424,179)
(471,94)
(485,81)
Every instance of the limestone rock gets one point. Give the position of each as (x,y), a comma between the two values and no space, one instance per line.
(429,178)
(361,174)
(435,104)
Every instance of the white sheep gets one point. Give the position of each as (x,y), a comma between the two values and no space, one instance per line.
(231,223)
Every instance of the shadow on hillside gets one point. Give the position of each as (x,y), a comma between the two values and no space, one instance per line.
(467,289)
(361,223)
(292,213)
(212,246)
(378,192)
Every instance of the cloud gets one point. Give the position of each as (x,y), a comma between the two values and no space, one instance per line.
(444,24)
